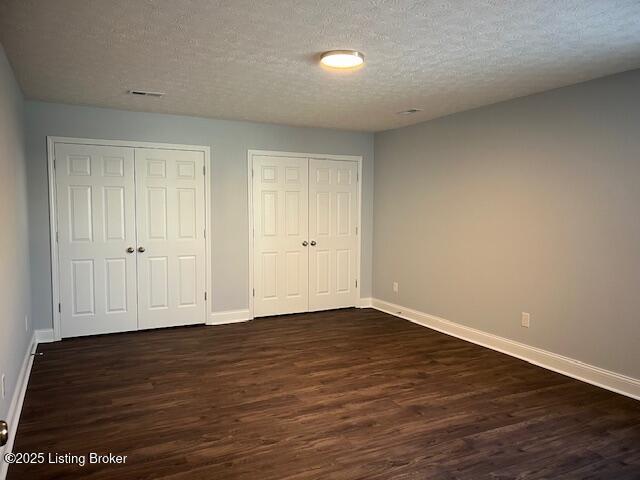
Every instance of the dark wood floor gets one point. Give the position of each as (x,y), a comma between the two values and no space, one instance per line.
(351,394)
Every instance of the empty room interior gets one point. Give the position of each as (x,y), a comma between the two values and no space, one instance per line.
(334,239)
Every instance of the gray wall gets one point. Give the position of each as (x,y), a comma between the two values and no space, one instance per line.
(229,143)
(14,257)
(528,205)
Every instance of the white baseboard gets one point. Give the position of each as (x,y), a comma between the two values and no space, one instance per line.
(45,335)
(15,408)
(229,316)
(552,361)
(365,302)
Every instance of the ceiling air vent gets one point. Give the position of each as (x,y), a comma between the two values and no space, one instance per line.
(146,93)
(411,111)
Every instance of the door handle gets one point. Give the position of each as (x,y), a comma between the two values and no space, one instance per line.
(305,243)
(141,249)
(4,433)
(131,250)
(313,243)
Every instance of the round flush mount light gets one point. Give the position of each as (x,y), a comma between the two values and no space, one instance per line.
(342,58)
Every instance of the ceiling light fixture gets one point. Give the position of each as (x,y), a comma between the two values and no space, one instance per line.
(342,58)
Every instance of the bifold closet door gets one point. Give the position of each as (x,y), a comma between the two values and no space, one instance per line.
(333,236)
(95,194)
(170,218)
(281,251)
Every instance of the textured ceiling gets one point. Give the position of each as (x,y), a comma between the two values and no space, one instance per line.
(257,59)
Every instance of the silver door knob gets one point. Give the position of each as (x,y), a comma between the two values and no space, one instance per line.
(131,250)
(305,243)
(141,249)
(4,433)
(313,243)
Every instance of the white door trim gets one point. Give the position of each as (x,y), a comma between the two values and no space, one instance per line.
(53,223)
(271,153)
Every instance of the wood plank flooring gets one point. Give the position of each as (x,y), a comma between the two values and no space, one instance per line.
(349,394)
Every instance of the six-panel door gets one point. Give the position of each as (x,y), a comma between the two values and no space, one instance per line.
(170,215)
(333,238)
(281,263)
(96,224)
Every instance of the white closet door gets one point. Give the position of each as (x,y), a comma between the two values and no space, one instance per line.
(333,219)
(96,225)
(171,250)
(281,254)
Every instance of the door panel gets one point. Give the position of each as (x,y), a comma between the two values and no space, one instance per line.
(95,194)
(188,280)
(333,219)
(114,220)
(170,223)
(116,285)
(280,192)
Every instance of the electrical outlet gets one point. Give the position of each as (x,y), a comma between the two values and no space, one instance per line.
(395,287)
(4,390)
(526,319)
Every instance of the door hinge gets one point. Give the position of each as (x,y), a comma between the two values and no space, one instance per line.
(205,233)
(59,308)
(54,163)
(356,283)
(57,237)
(205,295)
(356,230)
(252,174)
(204,170)
(254,292)
(357,176)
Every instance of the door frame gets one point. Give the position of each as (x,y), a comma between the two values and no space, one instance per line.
(53,214)
(319,156)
